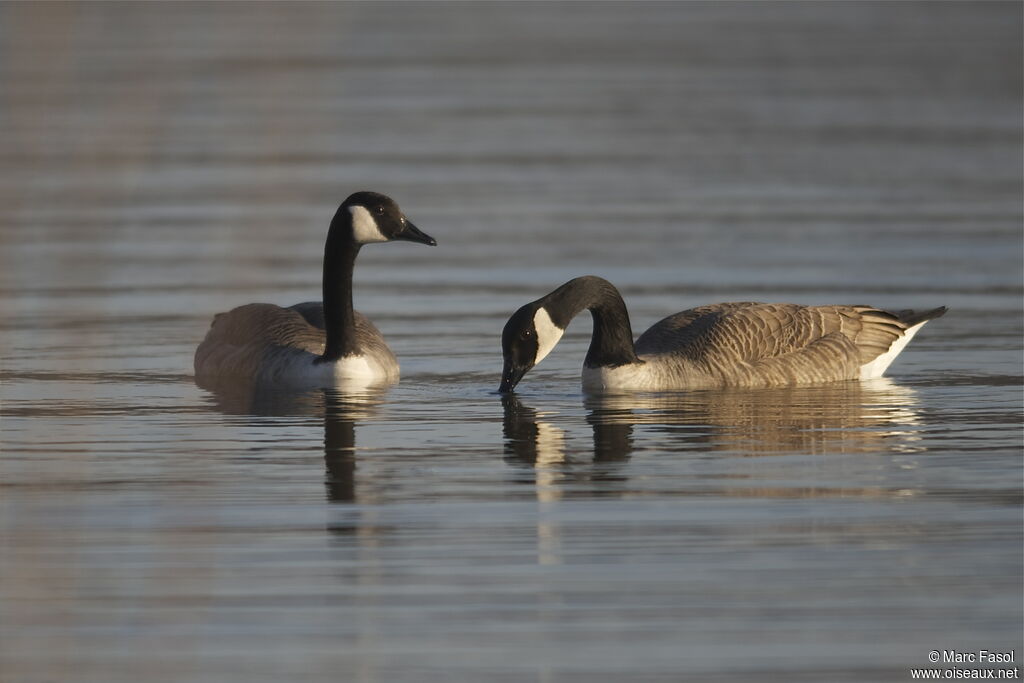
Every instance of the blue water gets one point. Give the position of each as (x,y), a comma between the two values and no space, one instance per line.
(166,162)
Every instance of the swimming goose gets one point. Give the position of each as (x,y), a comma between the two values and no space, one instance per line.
(313,343)
(717,346)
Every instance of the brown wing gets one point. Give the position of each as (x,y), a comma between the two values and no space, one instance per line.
(750,343)
(312,311)
(246,339)
(260,339)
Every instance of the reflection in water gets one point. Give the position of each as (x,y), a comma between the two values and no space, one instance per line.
(849,417)
(245,399)
(843,417)
(341,412)
(532,441)
(341,409)
(528,439)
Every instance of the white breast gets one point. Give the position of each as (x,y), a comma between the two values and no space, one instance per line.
(348,372)
(356,368)
(633,377)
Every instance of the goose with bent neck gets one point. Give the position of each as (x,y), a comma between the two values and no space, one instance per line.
(741,344)
(313,343)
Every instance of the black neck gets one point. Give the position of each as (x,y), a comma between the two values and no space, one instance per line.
(339,316)
(611,344)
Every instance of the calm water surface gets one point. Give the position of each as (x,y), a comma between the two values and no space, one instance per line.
(162,163)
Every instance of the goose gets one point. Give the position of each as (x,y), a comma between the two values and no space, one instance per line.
(726,345)
(313,343)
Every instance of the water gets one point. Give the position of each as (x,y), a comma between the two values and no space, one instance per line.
(162,163)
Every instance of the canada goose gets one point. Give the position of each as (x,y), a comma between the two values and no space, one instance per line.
(722,345)
(313,343)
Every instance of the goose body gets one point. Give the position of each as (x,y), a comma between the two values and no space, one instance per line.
(313,343)
(741,344)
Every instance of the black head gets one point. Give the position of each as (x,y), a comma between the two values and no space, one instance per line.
(374,217)
(528,337)
(518,347)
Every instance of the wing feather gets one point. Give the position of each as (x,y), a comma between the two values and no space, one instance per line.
(256,339)
(754,344)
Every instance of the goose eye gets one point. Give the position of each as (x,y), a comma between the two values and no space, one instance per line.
(379,210)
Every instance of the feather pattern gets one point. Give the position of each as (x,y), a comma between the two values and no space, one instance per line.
(750,344)
(737,344)
(270,344)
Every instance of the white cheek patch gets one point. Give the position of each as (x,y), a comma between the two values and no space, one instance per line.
(548,333)
(364,227)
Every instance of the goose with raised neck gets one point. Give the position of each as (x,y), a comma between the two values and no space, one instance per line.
(313,343)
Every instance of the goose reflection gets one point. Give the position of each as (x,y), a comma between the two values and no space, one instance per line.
(531,440)
(341,411)
(531,437)
(528,438)
(844,417)
(847,417)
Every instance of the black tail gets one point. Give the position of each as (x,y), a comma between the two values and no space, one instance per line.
(911,318)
